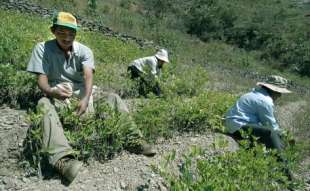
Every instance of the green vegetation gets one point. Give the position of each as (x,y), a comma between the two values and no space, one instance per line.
(278,30)
(245,169)
(163,117)
(17,86)
(104,134)
(186,104)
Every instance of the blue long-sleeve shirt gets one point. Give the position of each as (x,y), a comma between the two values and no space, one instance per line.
(255,108)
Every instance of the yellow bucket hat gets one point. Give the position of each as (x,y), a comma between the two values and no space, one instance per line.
(65,19)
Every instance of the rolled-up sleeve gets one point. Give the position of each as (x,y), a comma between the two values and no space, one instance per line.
(153,66)
(88,58)
(35,64)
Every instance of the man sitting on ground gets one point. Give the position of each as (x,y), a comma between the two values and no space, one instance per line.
(65,70)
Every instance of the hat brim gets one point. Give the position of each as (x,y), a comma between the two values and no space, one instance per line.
(274,88)
(70,26)
(165,59)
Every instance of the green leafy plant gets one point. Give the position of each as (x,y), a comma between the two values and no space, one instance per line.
(162,117)
(18,88)
(246,169)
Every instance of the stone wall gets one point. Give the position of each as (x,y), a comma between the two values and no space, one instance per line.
(30,8)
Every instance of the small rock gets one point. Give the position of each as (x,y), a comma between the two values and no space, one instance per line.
(25,180)
(7,127)
(162,187)
(115,169)
(80,181)
(9,183)
(193,139)
(2,187)
(123,185)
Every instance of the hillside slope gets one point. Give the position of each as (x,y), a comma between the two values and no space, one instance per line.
(124,172)
(197,92)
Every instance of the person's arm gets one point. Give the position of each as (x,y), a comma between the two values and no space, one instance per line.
(153,64)
(266,115)
(88,78)
(88,64)
(49,91)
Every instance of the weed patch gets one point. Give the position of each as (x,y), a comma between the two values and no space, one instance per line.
(162,117)
(245,169)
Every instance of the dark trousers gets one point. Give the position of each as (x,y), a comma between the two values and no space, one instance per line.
(271,139)
(267,136)
(144,87)
(134,72)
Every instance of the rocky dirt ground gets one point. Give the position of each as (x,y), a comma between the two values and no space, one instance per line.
(125,172)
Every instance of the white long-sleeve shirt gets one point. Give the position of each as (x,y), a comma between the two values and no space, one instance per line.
(151,62)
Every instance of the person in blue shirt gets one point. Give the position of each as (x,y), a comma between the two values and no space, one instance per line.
(255,111)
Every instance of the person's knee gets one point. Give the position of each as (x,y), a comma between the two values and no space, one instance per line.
(275,135)
(44,105)
(114,100)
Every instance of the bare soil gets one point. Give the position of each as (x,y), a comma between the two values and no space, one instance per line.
(125,172)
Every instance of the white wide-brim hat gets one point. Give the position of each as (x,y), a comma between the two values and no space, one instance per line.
(275,83)
(162,54)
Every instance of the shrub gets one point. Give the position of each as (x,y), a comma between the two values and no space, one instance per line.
(18,88)
(105,133)
(163,117)
(245,169)
(101,135)
(276,28)
(183,80)
(209,19)
(17,41)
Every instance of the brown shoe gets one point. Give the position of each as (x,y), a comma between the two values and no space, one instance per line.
(148,150)
(144,149)
(68,168)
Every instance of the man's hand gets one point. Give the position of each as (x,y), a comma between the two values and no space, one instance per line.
(83,104)
(60,93)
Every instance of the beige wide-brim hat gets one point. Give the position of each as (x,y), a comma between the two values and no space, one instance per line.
(275,83)
(162,54)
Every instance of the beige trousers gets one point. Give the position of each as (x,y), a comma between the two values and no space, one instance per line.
(54,141)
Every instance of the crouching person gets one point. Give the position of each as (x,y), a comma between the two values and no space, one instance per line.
(64,69)
(254,112)
(147,71)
